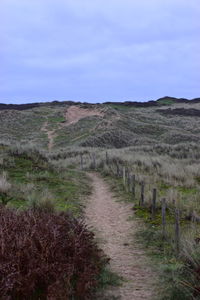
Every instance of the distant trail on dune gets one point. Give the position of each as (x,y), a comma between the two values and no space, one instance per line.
(109,218)
(72,116)
(51,135)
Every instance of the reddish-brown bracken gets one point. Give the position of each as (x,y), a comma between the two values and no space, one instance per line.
(46,255)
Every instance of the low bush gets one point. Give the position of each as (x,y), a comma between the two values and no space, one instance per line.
(46,255)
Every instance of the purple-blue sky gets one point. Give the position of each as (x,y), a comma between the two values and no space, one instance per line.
(99,50)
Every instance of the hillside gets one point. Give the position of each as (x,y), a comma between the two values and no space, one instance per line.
(147,156)
(112,125)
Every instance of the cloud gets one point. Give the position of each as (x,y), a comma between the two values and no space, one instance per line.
(97,49)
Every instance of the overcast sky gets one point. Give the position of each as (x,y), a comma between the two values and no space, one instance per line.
(99,50)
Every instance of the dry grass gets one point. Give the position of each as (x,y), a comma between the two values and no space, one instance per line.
(174,170)
(5,186)
(118,127)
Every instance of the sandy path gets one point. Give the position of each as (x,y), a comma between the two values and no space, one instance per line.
(50,134)
(109,218)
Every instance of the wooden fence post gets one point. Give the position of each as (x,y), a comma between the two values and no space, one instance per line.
(124,176)
(193,217)
(164,218)
(142,194)
(107,158)
(81,161)
(177,230)
(153,207)
(94,160)
(118,170)
(133,186)
(128,180)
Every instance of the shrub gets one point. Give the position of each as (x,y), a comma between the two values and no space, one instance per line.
(46,256)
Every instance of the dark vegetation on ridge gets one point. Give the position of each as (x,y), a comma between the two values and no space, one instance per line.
(36,104)
(161,101)
(180,111)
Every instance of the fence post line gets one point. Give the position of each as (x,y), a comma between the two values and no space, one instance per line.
(142,194)
(177,230)
(153,208)
(164,218)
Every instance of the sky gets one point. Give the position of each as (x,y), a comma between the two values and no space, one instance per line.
(99,50)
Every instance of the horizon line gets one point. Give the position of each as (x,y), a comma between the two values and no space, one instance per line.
(113,101)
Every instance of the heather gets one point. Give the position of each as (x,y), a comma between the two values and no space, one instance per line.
(46,255)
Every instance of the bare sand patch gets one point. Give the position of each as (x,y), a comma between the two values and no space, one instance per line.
(76,113)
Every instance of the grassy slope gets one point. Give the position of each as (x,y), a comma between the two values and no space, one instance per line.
(32,178)
(121,126)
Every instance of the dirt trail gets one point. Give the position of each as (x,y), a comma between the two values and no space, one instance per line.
(109,218)
(50,134)
(72,116)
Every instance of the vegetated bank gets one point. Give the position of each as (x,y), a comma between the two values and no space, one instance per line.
(46,249)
